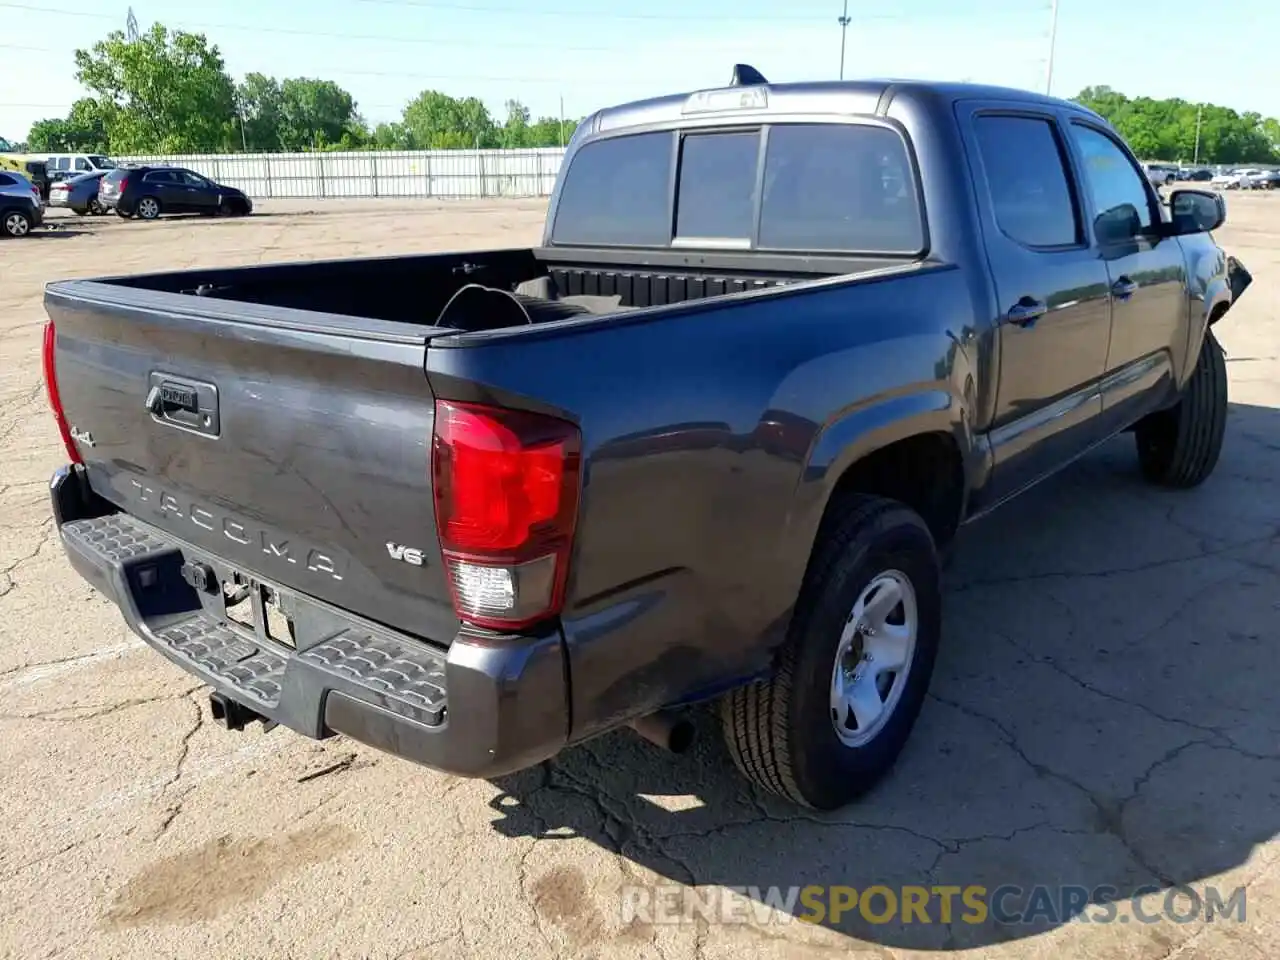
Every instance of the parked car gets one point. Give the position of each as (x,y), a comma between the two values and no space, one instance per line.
(64,166)
(1268,180)
(146,192)
(1243,179)
(1161,174)
(79,194)
(703,443)
(21,209)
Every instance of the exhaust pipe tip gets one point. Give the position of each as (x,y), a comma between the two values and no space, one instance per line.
(671,732)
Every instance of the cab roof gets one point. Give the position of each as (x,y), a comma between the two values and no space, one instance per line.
(759,100)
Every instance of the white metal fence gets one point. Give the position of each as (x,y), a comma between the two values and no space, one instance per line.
(440,174)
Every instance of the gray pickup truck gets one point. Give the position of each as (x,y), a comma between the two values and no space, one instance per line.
(702,444)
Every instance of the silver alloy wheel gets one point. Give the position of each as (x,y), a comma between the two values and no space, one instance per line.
(148,209)
(874,658)
(16,225)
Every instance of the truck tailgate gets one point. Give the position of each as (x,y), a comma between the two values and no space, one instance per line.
(294,446)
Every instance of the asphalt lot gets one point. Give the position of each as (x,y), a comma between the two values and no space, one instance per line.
(1106,712)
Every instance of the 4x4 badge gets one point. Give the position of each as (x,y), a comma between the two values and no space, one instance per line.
(82,436)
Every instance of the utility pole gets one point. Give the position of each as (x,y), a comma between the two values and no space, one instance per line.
(1053,41)
(1199,117)
(131,26)
(561,122)
(844,29)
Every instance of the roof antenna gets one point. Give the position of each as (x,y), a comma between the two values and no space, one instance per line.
(745,75)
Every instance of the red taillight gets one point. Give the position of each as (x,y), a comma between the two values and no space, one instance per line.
(51,386)
(506,495)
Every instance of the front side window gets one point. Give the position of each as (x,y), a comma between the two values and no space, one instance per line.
(102,163)
(1121,204)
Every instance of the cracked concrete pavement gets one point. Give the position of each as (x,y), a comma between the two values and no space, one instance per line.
(1106,712)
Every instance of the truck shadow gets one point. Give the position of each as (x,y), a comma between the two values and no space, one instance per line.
(1103,723)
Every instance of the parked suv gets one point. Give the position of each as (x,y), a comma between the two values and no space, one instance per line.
(20,206)
(148,191)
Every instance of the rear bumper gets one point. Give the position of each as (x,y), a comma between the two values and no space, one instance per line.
(482,708)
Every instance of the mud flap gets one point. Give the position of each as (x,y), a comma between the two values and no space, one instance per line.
(1238,279)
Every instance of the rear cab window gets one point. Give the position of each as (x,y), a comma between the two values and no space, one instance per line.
(844,188)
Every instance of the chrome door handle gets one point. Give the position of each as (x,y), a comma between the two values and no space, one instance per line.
(1027,311)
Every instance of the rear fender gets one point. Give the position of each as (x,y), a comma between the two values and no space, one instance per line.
(860,432)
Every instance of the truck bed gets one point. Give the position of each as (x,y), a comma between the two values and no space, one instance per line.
(416,289)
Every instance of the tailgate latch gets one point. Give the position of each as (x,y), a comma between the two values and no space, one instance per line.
(189,404)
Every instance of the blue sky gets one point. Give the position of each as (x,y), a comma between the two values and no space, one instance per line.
(385,51)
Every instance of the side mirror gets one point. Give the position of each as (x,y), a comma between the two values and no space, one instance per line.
(1196,211)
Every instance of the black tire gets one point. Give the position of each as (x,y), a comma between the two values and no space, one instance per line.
(15,222)
(147,210)
(121,213)
(1179,447)
(780,732)
(95,207)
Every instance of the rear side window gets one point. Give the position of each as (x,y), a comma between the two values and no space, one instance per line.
(718,186)
(1027,176)
(117,175)
(82,164)
(7,181)
(161,176)
(839,187)
(616,193)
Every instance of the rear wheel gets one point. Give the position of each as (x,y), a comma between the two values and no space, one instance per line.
(15,223)
(855,666)
(148,208)
(95,207)
(1179,447)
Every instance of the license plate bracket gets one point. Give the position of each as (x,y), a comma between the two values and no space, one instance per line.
(258,608)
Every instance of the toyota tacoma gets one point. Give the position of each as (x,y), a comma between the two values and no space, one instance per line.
(704,443)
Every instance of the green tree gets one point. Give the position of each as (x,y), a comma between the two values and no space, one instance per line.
(83,130)
(393,136)
(516,132)
(437,121)
(259,104)
(1166,129)
(551,132)
(314,113)
(169,91)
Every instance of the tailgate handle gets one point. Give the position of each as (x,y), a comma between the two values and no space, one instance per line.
(189,404)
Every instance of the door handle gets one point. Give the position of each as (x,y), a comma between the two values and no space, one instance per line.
(1124,288)
(1027,311)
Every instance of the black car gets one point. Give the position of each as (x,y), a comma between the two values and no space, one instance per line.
(148,191)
